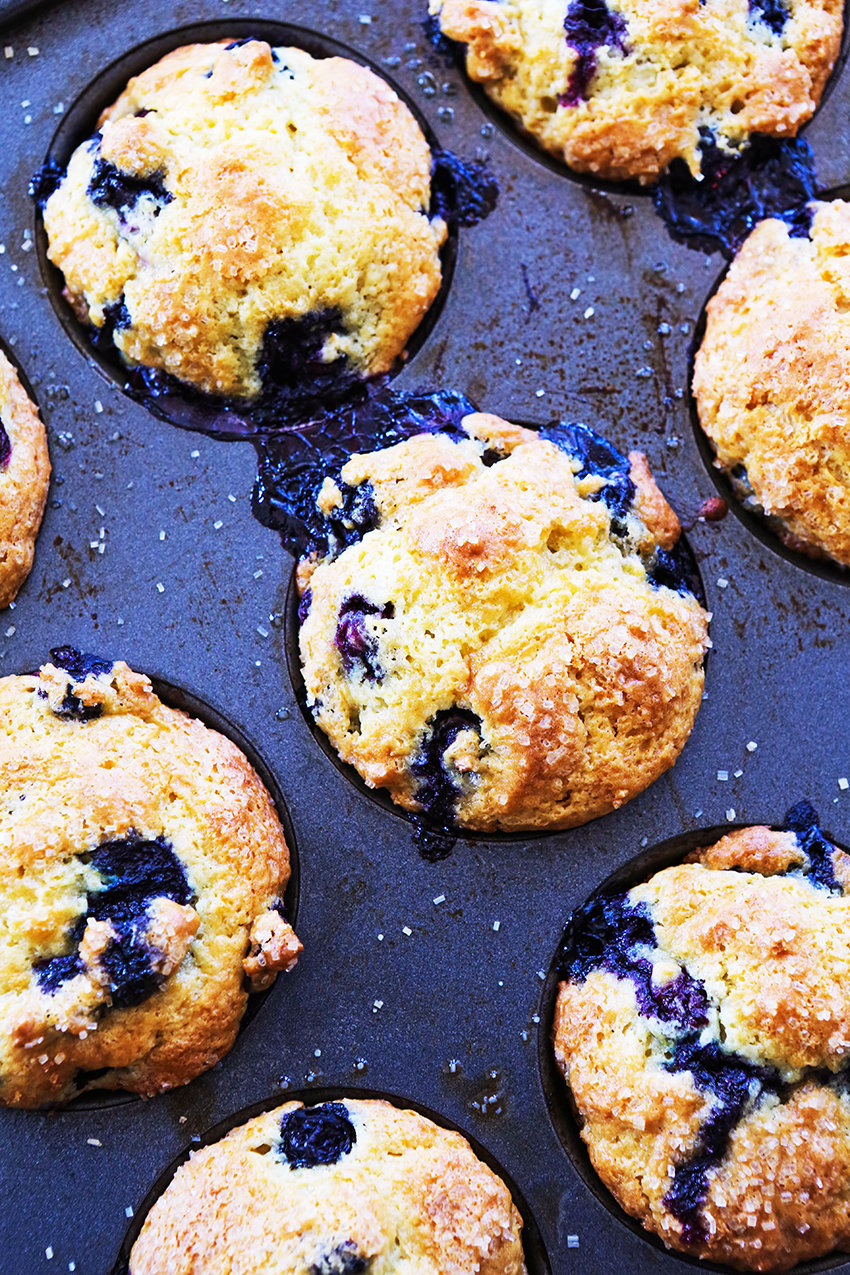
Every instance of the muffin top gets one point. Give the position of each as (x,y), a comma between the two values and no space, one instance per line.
(24,480)
(704,1029)
(253,222)
(142,868)
(620,89)
(338,1189)
(772,378)
(498,625)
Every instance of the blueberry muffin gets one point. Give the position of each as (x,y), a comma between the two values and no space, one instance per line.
(339,1189)
(142,867)
(704,1029)
(772,379)
(24,479)
(620,88)
(251,221)
(500,628)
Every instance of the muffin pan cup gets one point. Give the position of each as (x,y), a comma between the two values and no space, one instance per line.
(418,979)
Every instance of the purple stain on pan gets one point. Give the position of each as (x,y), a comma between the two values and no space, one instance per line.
(357,646)
(590,25)
(293,466)
(767,178)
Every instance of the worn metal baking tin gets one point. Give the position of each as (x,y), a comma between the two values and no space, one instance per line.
(459,999)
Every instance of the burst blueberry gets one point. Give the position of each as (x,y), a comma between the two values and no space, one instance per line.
(110,188)
(310,1136)
(772,13)
(345,1259)
(358,647)
(735,1084)
(133,872)
(590,26)
(80,666)
(802,820)
(613,934)
(438,788)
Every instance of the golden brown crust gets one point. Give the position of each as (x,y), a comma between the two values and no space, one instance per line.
(771,953)
(679,63)
(71,785)
(24,482)
(496,589)
(296,187)
(772,377)
(407,1196)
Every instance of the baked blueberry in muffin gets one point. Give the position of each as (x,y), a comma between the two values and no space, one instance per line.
(703,1026)
(772,379)
(621,88)
(253,222)
(498,626)
(142,871)
(344,1188)
(24,480)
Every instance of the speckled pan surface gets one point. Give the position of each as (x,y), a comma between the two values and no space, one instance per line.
(567,301)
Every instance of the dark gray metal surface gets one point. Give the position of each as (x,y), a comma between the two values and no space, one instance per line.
(445,1015)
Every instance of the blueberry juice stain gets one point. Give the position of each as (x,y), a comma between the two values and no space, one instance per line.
(767,177)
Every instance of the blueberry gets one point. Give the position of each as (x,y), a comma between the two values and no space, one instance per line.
(133,872)
(316,1135)
(608,933)
(110,188)
(294,376)
(345,1259)
(462,191)
(237,44)
(675,569)
(79,664)
(735,1083)
(437,792)
(47,180)
(51,974)
(356,645)
(306,601)
(115,317)
(599,457)
(5,446)
(590,25)
(768,178)
(449,50)
(802,820)
(771,12)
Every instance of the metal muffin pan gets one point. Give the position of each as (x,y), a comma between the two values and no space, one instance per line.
(553,312)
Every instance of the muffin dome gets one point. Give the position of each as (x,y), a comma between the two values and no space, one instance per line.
(620,88)
(251,221)
(704,1029)
(142,870)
